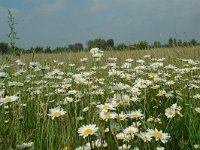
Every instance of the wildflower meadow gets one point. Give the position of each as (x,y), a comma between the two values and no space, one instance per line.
(106,100)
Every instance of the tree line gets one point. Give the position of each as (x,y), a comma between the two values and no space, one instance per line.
(102,44)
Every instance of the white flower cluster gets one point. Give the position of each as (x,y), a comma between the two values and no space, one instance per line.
(96,53)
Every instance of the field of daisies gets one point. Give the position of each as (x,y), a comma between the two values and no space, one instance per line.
(143,100)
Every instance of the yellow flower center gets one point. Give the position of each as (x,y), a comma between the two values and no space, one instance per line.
(65,87)
(114,129)
(145,138)
(56,114)
(113,73)
(87,131)
(152,74)
(135,115)
(65,148)
(117,101)
(121,117)
(170,113)
(158,65)
(126,100)
(7,99)
(107,116)
(106,107)
(157,134)
(141,83)
(130,131)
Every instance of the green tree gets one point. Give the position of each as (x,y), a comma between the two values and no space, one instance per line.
(186,44)
(180,43)
(193,42)
(156,44)
(48,49)
(75,47)
(110,43)
(4,48)
(90,44)
(170,42)
(121,47)
(38,49)
(60,49)
(71,47)
(174,42)
(142,45)
(78,46)
(100,43)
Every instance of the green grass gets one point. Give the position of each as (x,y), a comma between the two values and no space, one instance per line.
(26,119)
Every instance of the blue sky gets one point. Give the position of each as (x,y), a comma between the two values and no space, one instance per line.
(62,22)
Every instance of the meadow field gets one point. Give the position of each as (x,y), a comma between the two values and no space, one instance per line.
(137,100)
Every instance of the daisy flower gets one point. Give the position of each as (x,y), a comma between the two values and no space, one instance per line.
(107,115)
(170,113)
(161,92)
(156,65)
(3,75)
(176,107)
(117,100)
(25,145)
(106,107)
(129,60)
(169,83)
(56,112)
(160,148)
(136,114)
(124,147)
(8,99)
(96,144)
(152,75)
(122,116)
(100,143)
(114,128)
(159,135)
(198,109)
(197,96)
(126,99)
(131,130)
(145,136)
(147,56)
(87,130)
(124,137)
(196,146)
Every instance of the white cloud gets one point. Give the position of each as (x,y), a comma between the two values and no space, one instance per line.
(98,5)
(102,5)
(55,6)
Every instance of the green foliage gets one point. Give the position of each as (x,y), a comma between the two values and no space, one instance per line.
(157,44)
(100,43)
(75,47)
(13,33)
(48,49)
(174,42)
(193,42)
(180,43)
(110,43)
(121,47)
(141,45)
(38,49)
(170,42)
(4,48)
